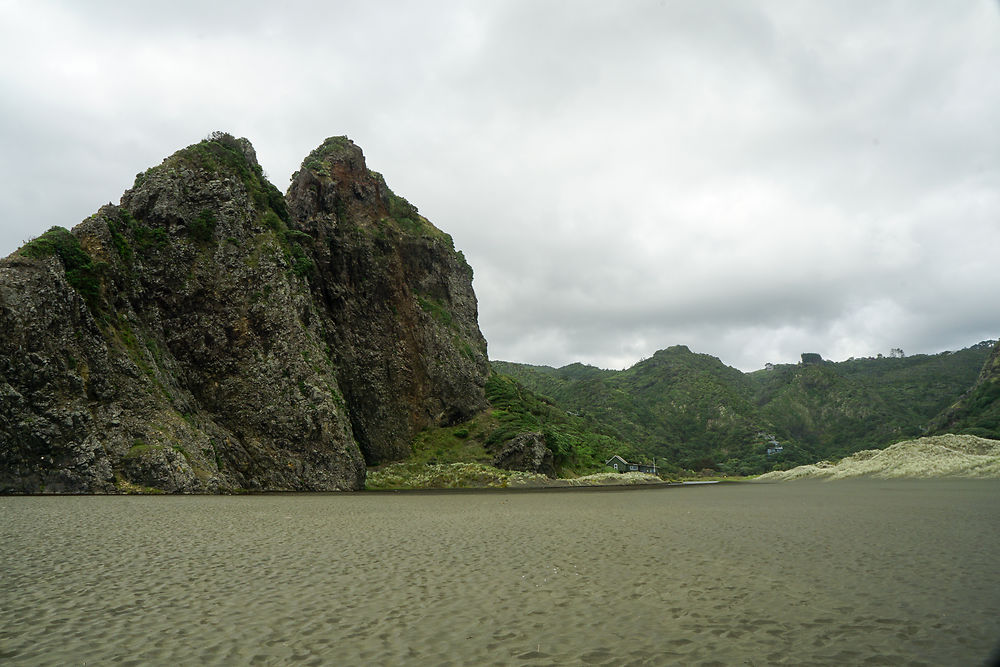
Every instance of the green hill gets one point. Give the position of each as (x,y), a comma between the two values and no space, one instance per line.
(977,412)
(579,444)
(695,412)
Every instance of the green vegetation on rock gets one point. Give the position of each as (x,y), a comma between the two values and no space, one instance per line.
(223,154)
(441,454)
(436,309)
(202,228)
(82,273)
(331,146)
(579,445)
(145,238)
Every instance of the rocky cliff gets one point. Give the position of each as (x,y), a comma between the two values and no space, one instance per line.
(406,339)
(209,334)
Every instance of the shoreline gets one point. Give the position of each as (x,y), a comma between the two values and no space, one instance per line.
(543,488)
(368,492)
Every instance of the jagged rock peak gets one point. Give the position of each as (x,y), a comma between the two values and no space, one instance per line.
(334,149)
(334,185)
(205,335)
(219,151)
(210,190)
(410,322)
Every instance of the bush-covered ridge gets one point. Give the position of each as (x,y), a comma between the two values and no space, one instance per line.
(977,412)
(577,444)
(695,412)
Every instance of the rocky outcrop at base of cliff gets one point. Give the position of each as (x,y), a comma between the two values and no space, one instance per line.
(526,452)
(209,334)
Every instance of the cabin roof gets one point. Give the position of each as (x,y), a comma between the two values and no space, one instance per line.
(629,463)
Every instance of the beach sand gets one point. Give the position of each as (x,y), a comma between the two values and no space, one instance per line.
(858,572)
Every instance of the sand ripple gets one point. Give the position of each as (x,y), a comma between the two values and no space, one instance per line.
(856,573)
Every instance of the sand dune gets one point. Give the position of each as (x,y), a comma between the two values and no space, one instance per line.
(936,456)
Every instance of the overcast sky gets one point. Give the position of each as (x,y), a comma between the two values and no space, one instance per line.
(750,179)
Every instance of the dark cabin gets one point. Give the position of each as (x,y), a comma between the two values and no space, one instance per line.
(618,464)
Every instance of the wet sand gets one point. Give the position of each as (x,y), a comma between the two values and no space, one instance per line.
(855,572)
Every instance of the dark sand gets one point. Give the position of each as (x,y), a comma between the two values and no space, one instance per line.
(876,572)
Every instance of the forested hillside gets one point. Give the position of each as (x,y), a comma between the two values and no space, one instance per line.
(977,412)
(694,412)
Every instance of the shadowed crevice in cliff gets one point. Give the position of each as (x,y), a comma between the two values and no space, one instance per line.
(205,335)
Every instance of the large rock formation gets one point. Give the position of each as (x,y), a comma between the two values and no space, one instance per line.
(406,340)
(209,334)
(526,452)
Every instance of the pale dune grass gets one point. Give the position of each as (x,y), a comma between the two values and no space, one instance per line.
(479,475)
(965,456)
(612,478)
(448,476)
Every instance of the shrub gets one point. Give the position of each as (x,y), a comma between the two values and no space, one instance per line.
(82,273)
(273,222)
(435,309)
(302,264)
(202,228)
(144,236)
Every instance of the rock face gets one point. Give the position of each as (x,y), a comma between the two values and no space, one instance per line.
(526,452)
(209,334)
(406,341)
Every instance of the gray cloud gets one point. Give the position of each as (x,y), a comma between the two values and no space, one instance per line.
(751,179)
